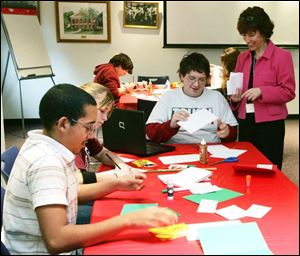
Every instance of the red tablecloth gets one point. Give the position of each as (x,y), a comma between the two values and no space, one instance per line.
(280,226)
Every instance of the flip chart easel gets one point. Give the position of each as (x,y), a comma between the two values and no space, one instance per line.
(27,51)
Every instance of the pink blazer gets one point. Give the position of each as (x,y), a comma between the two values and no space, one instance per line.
(274,75)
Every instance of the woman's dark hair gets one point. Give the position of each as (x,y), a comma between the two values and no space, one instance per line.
(122,60)
(63,100)
(194,62)
(253,19)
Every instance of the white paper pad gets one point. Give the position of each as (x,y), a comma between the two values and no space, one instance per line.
(197,120)
(179,159)
(185,177)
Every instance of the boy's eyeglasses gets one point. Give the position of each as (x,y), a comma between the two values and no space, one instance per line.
(90,129)
(193,80)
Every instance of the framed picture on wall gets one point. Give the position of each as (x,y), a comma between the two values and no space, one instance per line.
(21,8)
(87,21)
(140,14)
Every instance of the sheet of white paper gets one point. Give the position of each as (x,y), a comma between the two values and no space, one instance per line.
(192,234)
(235,81)
(257,211)
(176,159)
(203,188)
(197,120)
(232,212)
(207,206)
(185,177)
(220,151)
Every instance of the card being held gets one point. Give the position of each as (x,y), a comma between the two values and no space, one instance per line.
(198,120)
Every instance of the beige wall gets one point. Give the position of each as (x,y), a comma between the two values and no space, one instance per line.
(75,62)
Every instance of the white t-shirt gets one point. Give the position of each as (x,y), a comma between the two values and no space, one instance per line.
(44,173)
(175,100)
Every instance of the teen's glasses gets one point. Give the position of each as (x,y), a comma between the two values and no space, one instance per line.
(89,128)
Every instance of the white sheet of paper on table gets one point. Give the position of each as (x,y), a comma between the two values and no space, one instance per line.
(203,188)
(232,212)
(186,177)
(208,206)
(257,211)
(220,151)
(176,159)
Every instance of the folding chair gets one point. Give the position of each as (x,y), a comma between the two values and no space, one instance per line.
(8,158)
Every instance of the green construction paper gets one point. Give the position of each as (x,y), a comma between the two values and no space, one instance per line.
(220,196)
(135,207)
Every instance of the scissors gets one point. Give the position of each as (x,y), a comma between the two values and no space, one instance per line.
(226,160)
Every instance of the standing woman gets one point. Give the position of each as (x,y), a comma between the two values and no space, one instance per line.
(269,83)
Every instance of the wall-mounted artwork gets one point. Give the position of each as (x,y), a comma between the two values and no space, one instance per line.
(140,14)
(21,8)
(87,21)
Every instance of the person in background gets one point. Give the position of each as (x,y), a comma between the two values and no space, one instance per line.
(42,193)
(228,61)
(176,105)
(108,74)
(269,83)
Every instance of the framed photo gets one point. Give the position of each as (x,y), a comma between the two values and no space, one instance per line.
(21,7)
(140,14)
(83,21)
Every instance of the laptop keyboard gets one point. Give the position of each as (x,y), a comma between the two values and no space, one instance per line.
(153,148)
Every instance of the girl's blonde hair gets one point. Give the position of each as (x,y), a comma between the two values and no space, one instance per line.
(95,90)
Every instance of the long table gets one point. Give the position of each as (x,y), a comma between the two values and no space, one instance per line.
(280,226)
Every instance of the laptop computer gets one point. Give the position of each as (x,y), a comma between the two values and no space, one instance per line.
(124,132)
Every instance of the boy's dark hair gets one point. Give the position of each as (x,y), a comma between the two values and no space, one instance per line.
(63,100)
(253,19)
(194,62)
(122,60)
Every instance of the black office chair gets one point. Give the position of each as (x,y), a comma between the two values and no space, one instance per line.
(8,158)
(153,79)
(146,106)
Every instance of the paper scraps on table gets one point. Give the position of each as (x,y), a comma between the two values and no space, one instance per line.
(143,163)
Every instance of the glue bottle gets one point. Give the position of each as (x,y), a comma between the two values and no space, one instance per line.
(203,152)
(170,190)
(168,85)
(150,88)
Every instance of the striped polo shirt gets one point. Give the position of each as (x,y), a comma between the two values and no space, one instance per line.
(43,174)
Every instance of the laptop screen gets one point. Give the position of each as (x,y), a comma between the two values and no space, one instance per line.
(124,131)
